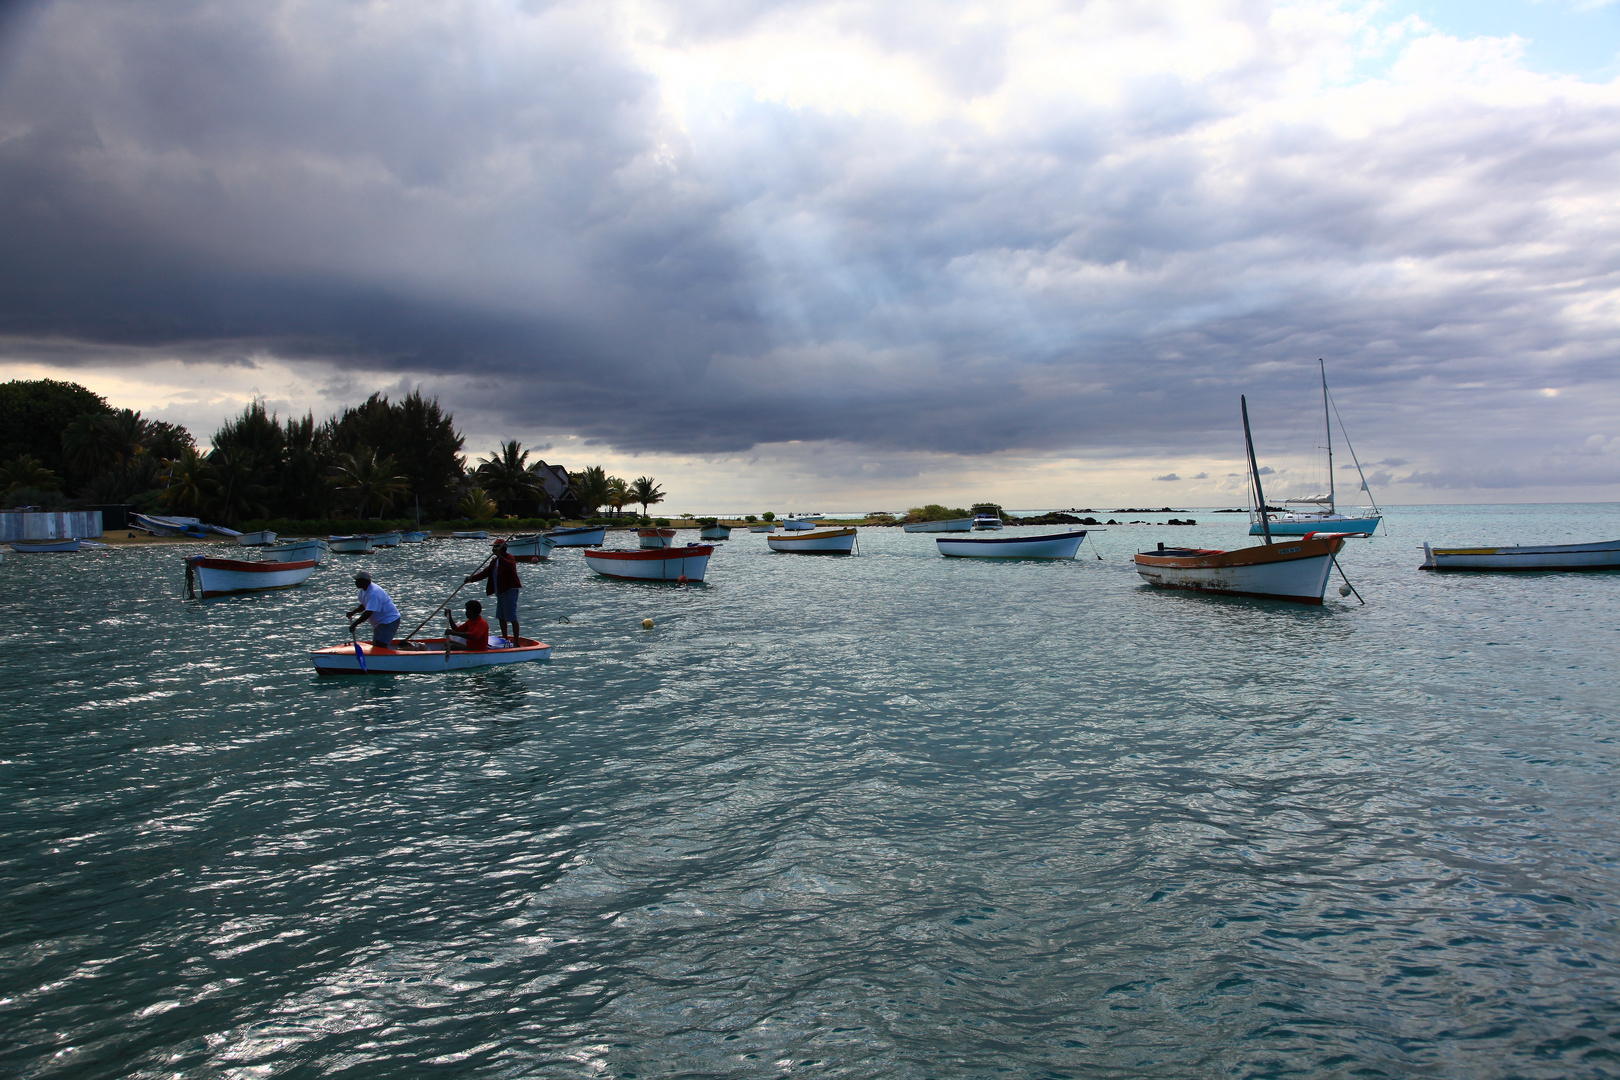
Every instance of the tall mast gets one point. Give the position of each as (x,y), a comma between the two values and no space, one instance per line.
(1254,471)
(1327,424)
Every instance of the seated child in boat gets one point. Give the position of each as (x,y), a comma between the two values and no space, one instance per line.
(471,635)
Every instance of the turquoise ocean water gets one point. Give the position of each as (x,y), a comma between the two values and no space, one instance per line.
(882,816)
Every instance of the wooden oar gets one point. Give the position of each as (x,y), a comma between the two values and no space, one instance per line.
(447,599)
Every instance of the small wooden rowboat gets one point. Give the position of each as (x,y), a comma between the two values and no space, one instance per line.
(421,657)
(386,539)
(952,525)
(680,564)
(798,524)
(296,551)
(1049,546)
(1295,570)
(826,542)
(715,532)
(207,578)
(656,538)
(530,548)
(470,534)
(578,536)
(1603,555)
(415,536)
(763,527)
(349,545)
(256,539)
(25,546)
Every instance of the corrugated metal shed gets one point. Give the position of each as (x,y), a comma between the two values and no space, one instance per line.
(39,525)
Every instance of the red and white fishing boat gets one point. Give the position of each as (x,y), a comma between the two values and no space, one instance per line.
(682,564)
(421,657)
(1291,569)
(656,538)
(823,542)
(208,577)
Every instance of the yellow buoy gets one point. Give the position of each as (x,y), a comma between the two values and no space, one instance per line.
(646,624)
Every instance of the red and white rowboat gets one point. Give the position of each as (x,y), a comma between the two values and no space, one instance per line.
(656,538)
(206,577)
(1294,570)
(657,564)
(421,657)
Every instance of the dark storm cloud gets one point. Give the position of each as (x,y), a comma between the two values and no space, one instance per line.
(506,194)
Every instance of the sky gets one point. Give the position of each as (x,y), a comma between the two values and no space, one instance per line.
(845,256)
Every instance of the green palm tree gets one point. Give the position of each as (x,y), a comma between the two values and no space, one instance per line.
(26,471)
(590,488)
(369,479)
(508,478)
(190,482)
(646,492)
(477,504)
(618,495)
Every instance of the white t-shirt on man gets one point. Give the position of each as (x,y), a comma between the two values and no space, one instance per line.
(380,610)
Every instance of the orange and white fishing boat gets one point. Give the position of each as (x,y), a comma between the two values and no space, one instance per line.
(207,578)
(656,538)
(1290,569)
(421,657)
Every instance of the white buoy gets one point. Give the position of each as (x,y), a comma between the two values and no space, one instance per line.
(1344,590)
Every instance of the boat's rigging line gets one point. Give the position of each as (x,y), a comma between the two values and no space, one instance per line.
(1346,433)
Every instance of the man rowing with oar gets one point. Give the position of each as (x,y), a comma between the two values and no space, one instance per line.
(501,581)
(376,608)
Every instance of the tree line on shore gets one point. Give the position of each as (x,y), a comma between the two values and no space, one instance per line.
(63,446)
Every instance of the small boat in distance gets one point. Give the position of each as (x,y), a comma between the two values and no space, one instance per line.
(680,564)
(172,526)
(23,547)
(296,551)
(798,524)
(1602,555)
(950,525)
(824,542)
(986,516)
(422,657)
(578,536)
(261,538)
(386,539)
(1050,546)
(470,534)
(349,545)
(207,578)
(415,536)
(715,532)
(1296,570)
(656,538)
(1326,518)
(530,548)
(763,527)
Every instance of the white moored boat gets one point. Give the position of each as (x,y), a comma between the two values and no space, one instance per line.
(421,657)
(687,563)
(1323,514)
(1049,546)
(470,534)
(530,548)
(415,536)
(256,539)
(27,546)
(296,551)
(825,542)
(1291,569)
(656,538)
(763,527)
(951,525)
(349,545)
(715,532)
(386,539)
(578,536)
(1602,555)
(207,578)
(798,524)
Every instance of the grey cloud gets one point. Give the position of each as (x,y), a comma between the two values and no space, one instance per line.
(444,191)
(1170,477)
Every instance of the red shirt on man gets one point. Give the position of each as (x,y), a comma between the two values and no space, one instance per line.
(476,631)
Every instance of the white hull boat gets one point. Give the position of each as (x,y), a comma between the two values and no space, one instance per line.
(656,538)
(1603,555)
(581,536)
(530,548)
(349,545)
(24,547)
(421,657)
(715,532)
(826,542)
(1296,571)
(172,526)
(1325,518)
(386,539)
(1303,523)
(986,521)
(953,525)
(261,538)
(296,551)
(470,534)
(207,578)
(415,536)
(1049,546)
(767,527)
(798,524)
(681,564)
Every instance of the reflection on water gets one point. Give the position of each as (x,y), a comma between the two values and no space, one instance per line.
(889,815)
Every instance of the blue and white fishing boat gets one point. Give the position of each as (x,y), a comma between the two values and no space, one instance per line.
(798,524)
(1601,555)
(386,539)
(296,551)
(172,526)
(350,545)
(1046,546)
(1325,516)
(23,547)
(578,536)
(415,536)
(715,532)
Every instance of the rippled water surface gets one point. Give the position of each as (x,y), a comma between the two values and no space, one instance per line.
(881,816)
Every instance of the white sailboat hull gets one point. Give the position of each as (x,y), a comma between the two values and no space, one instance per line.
(1300,524)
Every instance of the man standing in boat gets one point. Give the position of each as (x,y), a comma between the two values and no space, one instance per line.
(500,579)
(376,608)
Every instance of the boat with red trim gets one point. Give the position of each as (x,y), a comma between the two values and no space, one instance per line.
(680,564)
(208,577)
(424,657)
(656,538)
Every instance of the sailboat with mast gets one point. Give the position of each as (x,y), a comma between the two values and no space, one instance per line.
(1319,513)
(1293,569)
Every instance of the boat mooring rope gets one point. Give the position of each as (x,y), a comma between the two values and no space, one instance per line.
(1347,584)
